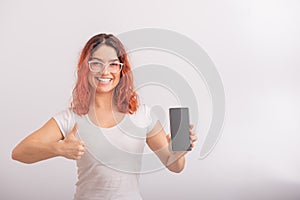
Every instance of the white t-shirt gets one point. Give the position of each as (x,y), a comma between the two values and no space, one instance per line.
(110,167)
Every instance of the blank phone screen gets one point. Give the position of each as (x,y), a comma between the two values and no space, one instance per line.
(180,129)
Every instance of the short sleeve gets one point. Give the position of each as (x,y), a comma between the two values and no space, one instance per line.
(65,121)
(144,118)
(152,119)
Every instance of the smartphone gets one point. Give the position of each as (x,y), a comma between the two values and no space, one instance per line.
(180,129)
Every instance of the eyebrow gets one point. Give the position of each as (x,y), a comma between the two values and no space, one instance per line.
(94,58)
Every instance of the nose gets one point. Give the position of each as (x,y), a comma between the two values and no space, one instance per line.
(105,70)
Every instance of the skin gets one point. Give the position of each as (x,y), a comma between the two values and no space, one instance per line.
(48,141)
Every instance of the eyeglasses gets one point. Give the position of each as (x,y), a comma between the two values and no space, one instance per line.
(98,66)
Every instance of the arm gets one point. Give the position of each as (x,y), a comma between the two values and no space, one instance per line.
(159,143)
(48,142)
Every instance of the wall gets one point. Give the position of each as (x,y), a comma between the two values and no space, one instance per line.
(254,45)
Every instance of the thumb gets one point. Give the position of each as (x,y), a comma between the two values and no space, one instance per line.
(73,132)
(168,138)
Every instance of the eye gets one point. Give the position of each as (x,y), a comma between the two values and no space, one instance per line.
(115,64)
(96,64)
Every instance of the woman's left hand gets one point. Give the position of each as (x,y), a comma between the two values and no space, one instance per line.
(193,138)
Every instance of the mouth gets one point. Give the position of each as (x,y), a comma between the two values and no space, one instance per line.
(103,80)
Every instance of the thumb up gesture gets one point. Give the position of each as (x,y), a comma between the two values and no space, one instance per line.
(72,147)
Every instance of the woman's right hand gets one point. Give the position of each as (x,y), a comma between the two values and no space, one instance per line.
(72,147)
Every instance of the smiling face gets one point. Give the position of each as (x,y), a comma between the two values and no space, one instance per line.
(104,81)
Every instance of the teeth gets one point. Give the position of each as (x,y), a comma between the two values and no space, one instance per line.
(103,79)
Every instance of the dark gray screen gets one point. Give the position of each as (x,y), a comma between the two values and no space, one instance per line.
(179,122)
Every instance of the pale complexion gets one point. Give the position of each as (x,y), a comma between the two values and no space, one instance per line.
(48,141)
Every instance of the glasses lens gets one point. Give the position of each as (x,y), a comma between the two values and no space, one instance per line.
(114,67)
(96,66)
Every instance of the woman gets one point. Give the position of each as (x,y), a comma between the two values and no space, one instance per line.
(92,130)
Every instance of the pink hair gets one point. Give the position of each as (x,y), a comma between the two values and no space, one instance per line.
(125,98)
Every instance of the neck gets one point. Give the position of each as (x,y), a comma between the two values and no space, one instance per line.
(103,101)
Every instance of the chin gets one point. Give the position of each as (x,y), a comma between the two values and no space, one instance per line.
(105,89)
(100,90)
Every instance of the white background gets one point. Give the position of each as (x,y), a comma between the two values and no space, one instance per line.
(254,45)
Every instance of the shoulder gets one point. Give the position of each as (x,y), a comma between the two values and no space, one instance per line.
(143,117)
(65,120)
(143,112)
(64,115)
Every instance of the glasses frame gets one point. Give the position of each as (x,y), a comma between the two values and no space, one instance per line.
(105,66)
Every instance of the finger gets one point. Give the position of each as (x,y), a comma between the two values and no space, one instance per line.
(73,131)
(77,158)
(193,138)
(168,138)
(191,126)
(82,143)
(81,149)
(192,132)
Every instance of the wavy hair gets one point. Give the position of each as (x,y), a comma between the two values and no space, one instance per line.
(124,96)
